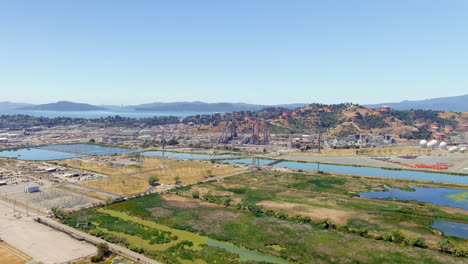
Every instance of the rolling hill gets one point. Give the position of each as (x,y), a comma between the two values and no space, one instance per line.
(454,103)
(63,106)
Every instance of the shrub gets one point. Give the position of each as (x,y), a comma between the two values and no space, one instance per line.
(269,212)
(420,242)
(281,215)
(363,232)
(445,245)
(460,252)
(136,249)
(387,237)
(342,228)
(196,194)
(397,236)
(153,180)
(378,237)
(324,223)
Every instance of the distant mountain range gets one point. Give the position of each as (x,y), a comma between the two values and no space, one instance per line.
(10,105)
(454,103)
(207,107)
(63,106)
(152,107)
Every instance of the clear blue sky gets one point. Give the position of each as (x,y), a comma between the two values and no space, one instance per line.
(269,52)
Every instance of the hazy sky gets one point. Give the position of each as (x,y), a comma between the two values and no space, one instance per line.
(329,51)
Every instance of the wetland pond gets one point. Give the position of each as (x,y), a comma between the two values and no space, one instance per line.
(449,228)
(58,152)
(358,170)
(440,196)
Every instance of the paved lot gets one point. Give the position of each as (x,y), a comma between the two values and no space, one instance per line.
(38,241)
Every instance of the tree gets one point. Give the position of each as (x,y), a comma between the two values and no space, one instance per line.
(92,141)
(153,180)
(196,194)
(57,212)
(445,245)
(136,155)
(103,252)
(177,179)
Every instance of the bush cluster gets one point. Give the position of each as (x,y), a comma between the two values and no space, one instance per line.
(224,200)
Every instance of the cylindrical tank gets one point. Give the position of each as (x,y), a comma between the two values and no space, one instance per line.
(443,145)
(463,149)
(423,143)
(452,149)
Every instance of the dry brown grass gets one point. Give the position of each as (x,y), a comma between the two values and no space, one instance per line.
(11,255)
(122,185)
(103,165)
(337,216)
(189,171)
(185,171)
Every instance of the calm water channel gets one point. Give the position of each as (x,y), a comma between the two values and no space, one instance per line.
(245,254)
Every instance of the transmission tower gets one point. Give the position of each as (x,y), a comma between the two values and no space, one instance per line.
(82,220)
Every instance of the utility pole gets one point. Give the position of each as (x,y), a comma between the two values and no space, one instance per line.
(163,141)
(319,140)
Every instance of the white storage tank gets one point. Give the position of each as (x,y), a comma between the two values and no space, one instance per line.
(423,143)
(443,145)
(452,149)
